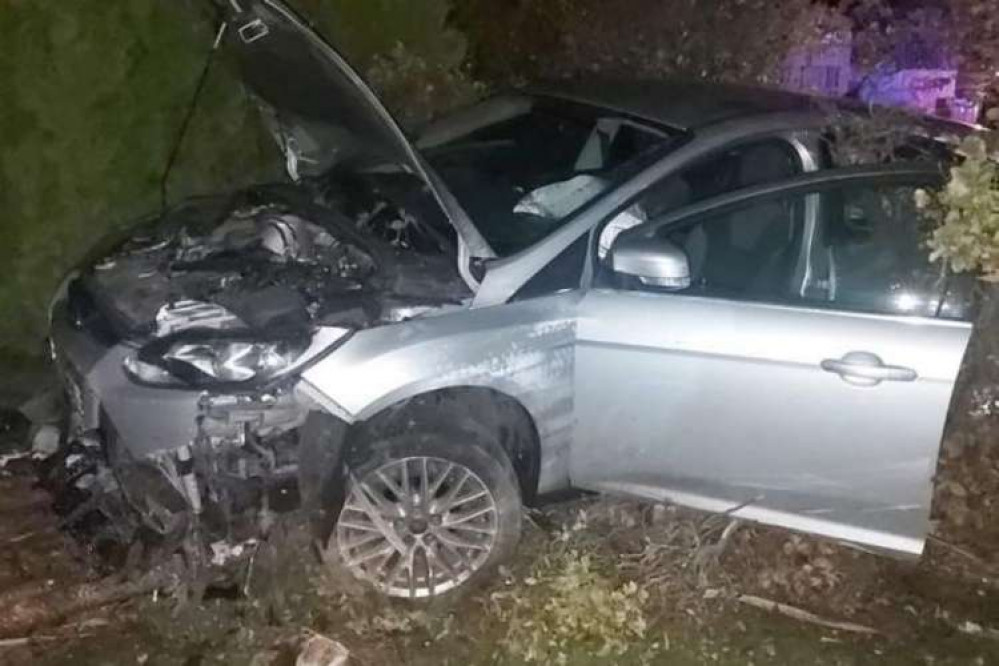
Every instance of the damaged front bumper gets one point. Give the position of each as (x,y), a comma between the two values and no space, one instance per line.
(90,363)
(165,465)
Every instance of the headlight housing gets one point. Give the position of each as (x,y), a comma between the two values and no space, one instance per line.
(215,359)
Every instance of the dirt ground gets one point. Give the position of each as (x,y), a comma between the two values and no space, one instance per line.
(649,585)
(937,611)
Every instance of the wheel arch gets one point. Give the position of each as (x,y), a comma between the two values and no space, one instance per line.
(513,427)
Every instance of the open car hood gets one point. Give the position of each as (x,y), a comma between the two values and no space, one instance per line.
(320,109)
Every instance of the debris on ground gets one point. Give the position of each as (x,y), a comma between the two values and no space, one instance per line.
(567,607)
(975,629)
(599,576)
(322,651)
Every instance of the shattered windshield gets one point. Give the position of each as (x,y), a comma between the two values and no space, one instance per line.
(524,166)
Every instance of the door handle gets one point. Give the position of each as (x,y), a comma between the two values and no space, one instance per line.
(867,369)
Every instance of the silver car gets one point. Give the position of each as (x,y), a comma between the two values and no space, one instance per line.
(654,290)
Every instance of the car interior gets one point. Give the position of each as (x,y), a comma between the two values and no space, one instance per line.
(874,262)
(751,250)
(562,155)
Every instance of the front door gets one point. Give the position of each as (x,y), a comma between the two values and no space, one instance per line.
(802,380)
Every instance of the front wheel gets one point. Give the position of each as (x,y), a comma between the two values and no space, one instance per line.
(426,514)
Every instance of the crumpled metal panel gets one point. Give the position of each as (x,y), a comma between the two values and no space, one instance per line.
(523,350)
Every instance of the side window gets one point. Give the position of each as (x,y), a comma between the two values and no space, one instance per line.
(869,254)
(865,255)
(748,165)
(755,163)
(750,252)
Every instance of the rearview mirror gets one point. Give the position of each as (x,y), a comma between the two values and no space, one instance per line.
(653,261)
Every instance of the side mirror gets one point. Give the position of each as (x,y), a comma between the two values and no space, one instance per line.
(654,262)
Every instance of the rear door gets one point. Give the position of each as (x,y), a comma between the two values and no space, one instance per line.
(804,378)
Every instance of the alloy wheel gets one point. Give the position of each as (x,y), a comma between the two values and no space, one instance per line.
(417,527)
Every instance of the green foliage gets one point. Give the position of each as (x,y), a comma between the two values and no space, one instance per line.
(966,214)
(568,609)
(93,94)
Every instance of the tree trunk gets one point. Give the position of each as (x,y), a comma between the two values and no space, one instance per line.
(966,489)
(976,395)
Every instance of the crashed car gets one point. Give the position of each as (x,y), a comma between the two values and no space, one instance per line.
(662,291)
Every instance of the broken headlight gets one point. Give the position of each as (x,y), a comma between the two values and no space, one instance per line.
(203,361)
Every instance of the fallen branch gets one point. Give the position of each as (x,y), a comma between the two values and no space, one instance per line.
(708,556)
(726,535)
(802,615)
(729,512)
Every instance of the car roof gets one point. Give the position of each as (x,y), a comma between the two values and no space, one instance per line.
(688,105)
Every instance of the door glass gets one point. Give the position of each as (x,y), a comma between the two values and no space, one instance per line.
(750,252)
(748,165)
(867,254)
(870,256)
(740,167)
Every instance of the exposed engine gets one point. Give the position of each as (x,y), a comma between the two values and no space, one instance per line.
(270,266)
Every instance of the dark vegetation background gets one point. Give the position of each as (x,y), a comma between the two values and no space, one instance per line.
(93,92)
(91,96)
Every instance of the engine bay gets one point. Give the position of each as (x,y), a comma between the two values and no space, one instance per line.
(274,261)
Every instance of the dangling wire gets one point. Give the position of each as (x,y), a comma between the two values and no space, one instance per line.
(192,107)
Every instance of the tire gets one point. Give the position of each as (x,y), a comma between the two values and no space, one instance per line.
(461,520)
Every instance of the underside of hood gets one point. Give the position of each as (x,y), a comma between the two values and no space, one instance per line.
(319,108)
